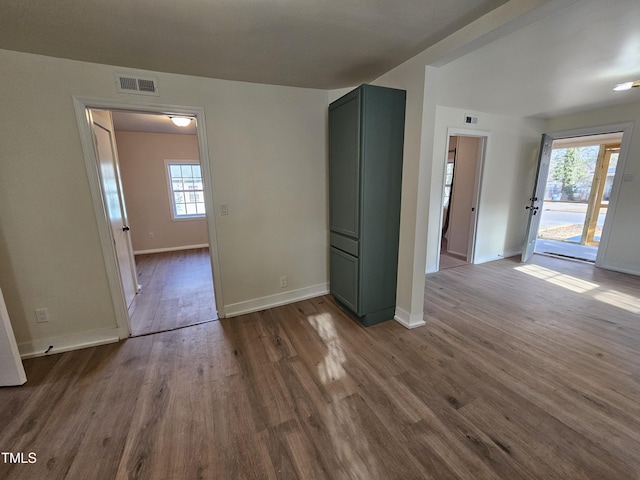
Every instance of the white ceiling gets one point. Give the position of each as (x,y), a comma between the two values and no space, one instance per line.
(567,60)
(307,43)
(149,122)
(563,63)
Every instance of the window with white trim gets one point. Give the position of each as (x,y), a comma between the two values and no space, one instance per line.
(185,189)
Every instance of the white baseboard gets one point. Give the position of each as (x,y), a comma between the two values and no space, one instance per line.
(498,256)
(37,348)
(622,268)
(170,249)
(409,320)
(459,254)
(433,268)
(292,296)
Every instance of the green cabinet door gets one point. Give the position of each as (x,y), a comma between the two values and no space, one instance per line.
(344,277)
(344,167)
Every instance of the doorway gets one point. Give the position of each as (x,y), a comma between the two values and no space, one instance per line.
(162,185)
(575,193)
(462,177)
(83,108)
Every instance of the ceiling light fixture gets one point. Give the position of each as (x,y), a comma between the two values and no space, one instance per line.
(180,121)
(621,87)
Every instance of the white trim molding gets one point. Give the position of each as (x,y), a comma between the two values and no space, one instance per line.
(499,256)
(66,343)
(285,298)
(407,320)
(618,267)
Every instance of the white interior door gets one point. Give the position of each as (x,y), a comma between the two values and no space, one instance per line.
(463,196)
(104,138)
(11,369)
(537,198)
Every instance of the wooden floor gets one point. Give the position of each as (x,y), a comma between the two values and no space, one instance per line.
(522,372)
(449,260)
(177,291)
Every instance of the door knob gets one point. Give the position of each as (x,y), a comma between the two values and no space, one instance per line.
(125,229)
(533,209)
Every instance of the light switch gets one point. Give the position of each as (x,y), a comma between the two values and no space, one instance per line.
(224,209)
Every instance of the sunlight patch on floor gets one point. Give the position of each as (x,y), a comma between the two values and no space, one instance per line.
(562,280)
(620,300)
(331,368)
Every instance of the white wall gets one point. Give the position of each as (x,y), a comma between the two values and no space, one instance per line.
(142,158)
(507,182)
(622,252)
(422,185)
(267,146)
(511,155)
(420,83)
(508,176)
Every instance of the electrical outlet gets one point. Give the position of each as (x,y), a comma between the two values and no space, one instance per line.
(42,315)
(283,281)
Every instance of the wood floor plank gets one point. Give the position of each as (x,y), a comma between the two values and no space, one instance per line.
(66,411)
(555,398)
(376,454)
(520,437)
(279,454)
(239,446)
(143,452)
(612,389)
(177,291)
(105,437)
(306,462)
(270,400)
(521,372)
(323,353)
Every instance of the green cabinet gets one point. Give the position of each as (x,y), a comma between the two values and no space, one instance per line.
(366,141)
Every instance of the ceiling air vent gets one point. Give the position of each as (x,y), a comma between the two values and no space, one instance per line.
(471,119)
(136,85)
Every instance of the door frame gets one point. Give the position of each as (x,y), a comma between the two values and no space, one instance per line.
(627,129)
(82,105)
(485,138)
